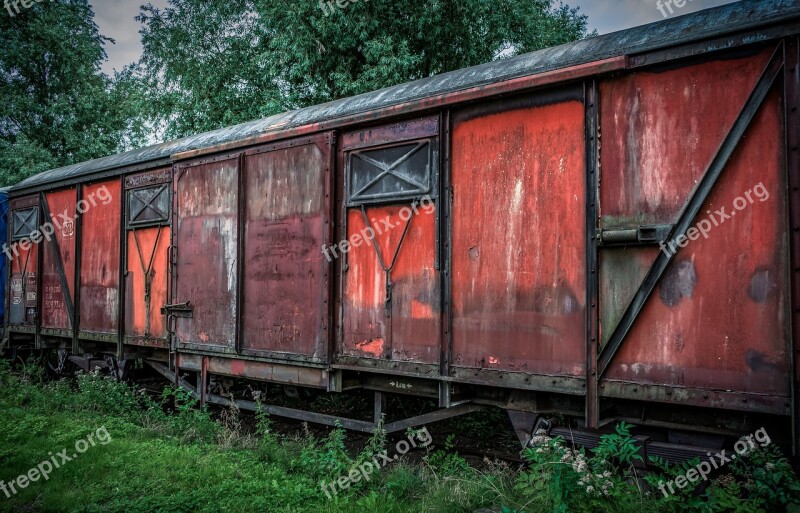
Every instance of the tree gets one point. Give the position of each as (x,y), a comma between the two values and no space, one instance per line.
(323,52)
(204,66)
(58,108)
(213,64)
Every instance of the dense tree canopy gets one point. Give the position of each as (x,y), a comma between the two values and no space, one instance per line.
(211,64)
(208,64)
(57,107)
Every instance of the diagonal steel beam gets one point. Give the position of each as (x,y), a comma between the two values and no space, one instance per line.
(694,206)
(59,260)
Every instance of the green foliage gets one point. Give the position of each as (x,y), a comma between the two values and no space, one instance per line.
(204,66)
(170,455)
(212,64)
(768,477)
(366,46)
(446,462)
(58,108)
(30,371)
(620,446)
(761,481)
(190,422)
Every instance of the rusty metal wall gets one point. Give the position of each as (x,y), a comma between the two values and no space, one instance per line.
(410,330)
(206,199)
(717,320)
(58,261)
(285,288)
(150,242)
(396,323)
(518,245)
(99,274)
(23,285)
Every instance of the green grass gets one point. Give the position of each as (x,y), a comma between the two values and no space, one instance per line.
(185,461)
(157,462)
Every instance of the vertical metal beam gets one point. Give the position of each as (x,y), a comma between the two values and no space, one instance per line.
(123,266)
(694,206)
(792,120)
(241,208)
(39,271)
(328,302)
(172,255)
(7,271)
(591,103)
(444,250)
(379,407)
(202,383)
(77,278)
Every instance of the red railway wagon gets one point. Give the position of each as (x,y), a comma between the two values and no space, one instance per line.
(606,230)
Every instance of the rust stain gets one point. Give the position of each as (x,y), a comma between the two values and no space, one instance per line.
(719,320)
(518,239)
(413,327)
(53,301)
(373,347)
(283,282)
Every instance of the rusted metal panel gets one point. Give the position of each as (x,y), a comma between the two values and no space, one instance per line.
(697,397)
(262,371)
(285,287)
(143,245)
(23,286)
(672,120)
(518,237)
(58,265)
(791,105)
(23,283)
(621,272)
(718,319)
(206,236)
(99,275)
(410,330)
(389,134)
(391,284)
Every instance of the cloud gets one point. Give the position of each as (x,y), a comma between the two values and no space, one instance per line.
(115,18)
(612,15)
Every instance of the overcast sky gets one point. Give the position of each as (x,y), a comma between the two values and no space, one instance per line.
(116,20)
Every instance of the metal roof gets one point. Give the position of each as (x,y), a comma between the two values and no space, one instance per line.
(707,24)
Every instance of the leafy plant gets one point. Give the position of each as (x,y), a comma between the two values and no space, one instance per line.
(446,462)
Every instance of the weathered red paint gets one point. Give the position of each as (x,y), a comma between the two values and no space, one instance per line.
(718,318)
(266,371)
(53,302)
(149,241)
(660,131)
(518,245)
(99,280)
(284,288)
(23,307)
(206,239)
(410,331)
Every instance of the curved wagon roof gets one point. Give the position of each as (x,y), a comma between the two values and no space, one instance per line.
(699,26)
